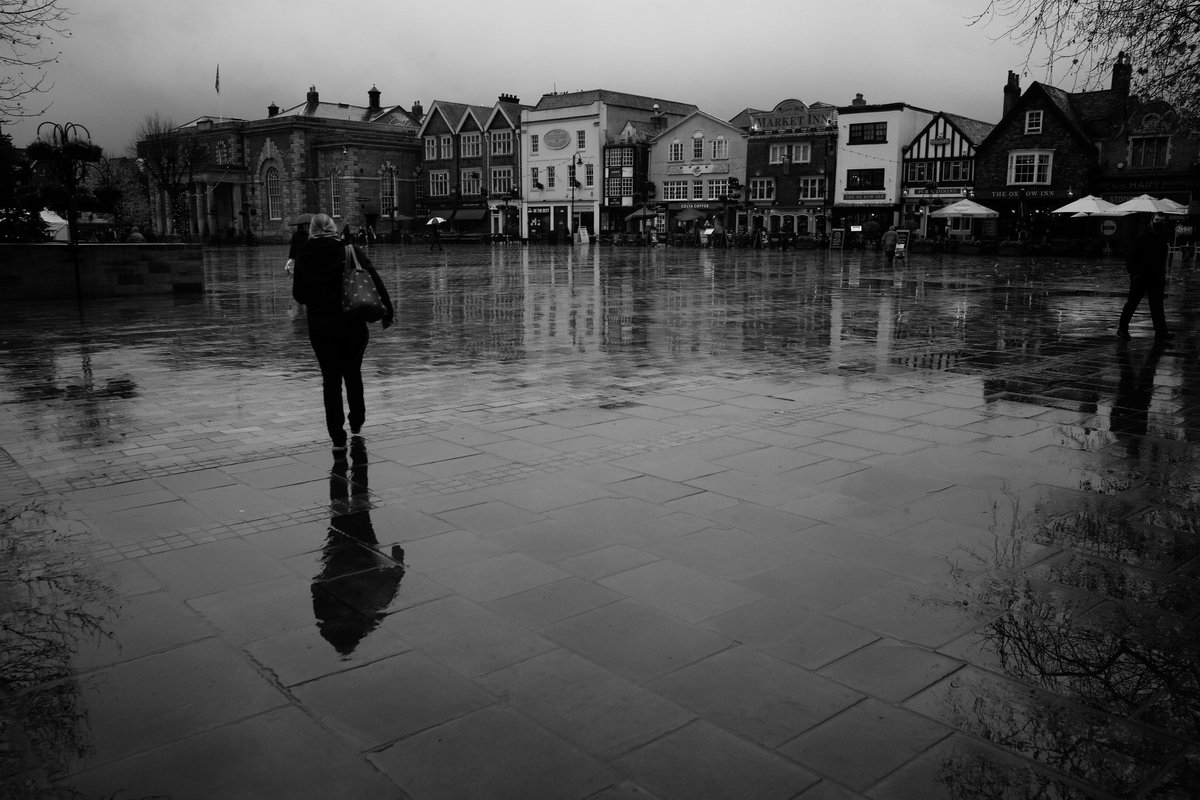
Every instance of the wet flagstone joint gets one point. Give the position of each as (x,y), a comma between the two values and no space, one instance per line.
(622,524)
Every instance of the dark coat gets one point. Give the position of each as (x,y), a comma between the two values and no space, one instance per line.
(1148,255)
(317,284)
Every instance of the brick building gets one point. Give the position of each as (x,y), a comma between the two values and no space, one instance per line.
(1052,146)
(360,164)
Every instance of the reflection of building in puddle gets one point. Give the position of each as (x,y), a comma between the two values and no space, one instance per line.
(1086,675)
(357,581)
(50,601)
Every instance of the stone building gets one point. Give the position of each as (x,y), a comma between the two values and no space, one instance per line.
(253,178)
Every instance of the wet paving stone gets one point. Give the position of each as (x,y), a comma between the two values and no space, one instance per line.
(622,523)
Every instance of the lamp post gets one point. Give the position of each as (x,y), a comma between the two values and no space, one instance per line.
(70,150)
(576,162)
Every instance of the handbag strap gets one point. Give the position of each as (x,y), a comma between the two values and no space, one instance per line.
(351,256)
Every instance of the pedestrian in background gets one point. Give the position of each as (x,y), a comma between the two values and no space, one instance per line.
(1147,268)
(889,242)
(435,236)
(338,339)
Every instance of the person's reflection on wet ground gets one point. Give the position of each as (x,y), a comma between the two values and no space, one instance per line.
(357,582)
(1130,415)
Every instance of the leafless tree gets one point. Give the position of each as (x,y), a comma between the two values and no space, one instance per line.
(1081,39)
(27,32)
(168,156)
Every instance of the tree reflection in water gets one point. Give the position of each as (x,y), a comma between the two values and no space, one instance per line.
(1099,680)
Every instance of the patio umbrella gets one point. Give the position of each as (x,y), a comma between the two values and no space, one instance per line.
(436,221)
(642,213)
(965,208)
(1086,206)
(1180,208)
(691,213)
(1144,203)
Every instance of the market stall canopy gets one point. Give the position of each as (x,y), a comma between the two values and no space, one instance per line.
(965,208)
(1087,206)
(1144,203)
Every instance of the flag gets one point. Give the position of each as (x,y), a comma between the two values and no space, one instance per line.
(218,78)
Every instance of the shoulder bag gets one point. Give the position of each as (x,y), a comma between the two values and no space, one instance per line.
(360,298)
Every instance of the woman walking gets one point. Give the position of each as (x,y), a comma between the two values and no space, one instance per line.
(338,339)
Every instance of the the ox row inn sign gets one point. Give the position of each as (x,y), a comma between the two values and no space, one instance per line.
(793,115)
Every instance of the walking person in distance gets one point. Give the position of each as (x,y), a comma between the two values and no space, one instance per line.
(1147,268)
(339,340)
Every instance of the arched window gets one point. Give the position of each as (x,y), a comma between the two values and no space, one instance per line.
(274,194)
(697,145)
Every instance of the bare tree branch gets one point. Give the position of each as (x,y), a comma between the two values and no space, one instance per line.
(28,29)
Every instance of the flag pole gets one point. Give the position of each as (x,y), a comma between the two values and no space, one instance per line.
(220,102)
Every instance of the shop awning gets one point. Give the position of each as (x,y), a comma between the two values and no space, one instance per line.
(470,214)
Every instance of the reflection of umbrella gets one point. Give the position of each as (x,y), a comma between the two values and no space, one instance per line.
(642,213)
(436,220)
(1144,203)
(691,213)
(1086,206)
(965,208)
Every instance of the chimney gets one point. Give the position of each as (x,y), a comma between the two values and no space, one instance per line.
(858,100)
(313,97)
(1012,91)
(1122,73)
(272,110)
(658,120)
(417,110)
(373,99)
(510,98)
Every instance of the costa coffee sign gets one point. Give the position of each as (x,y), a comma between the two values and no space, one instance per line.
(556,139)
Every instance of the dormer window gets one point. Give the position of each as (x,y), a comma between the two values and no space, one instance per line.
(1033,122)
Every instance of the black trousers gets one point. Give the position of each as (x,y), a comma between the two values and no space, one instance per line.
(1154,289)
(339,344)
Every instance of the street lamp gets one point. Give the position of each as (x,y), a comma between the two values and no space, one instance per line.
(576,162)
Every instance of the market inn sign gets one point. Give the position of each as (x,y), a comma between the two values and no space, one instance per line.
(792,115)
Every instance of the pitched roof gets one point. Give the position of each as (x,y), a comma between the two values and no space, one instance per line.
(572,99)
(974,130)
(344,112)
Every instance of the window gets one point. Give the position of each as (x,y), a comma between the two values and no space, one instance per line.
(431,147)
(676,151)
(533,178)
(447,150)
(470,182)
(697,190)
(868,133)
(335,195)
(618,157)
(1148,151)
(957,170)
(791,153)
(1033,121)
(502,180)
(675,190)
(387,192)
(864,179)
(223,153)
(1029,167)
(589,174)
(697,145)
(470,145)
(718,189)
(762,188)
(581,140)
(549,177)
(812,188)
(920,172)
(720,148)
(439,183)
(533,142)
(618,187)
(274,195)
(502,143)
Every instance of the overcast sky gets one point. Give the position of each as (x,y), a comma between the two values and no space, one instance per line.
(128,58)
